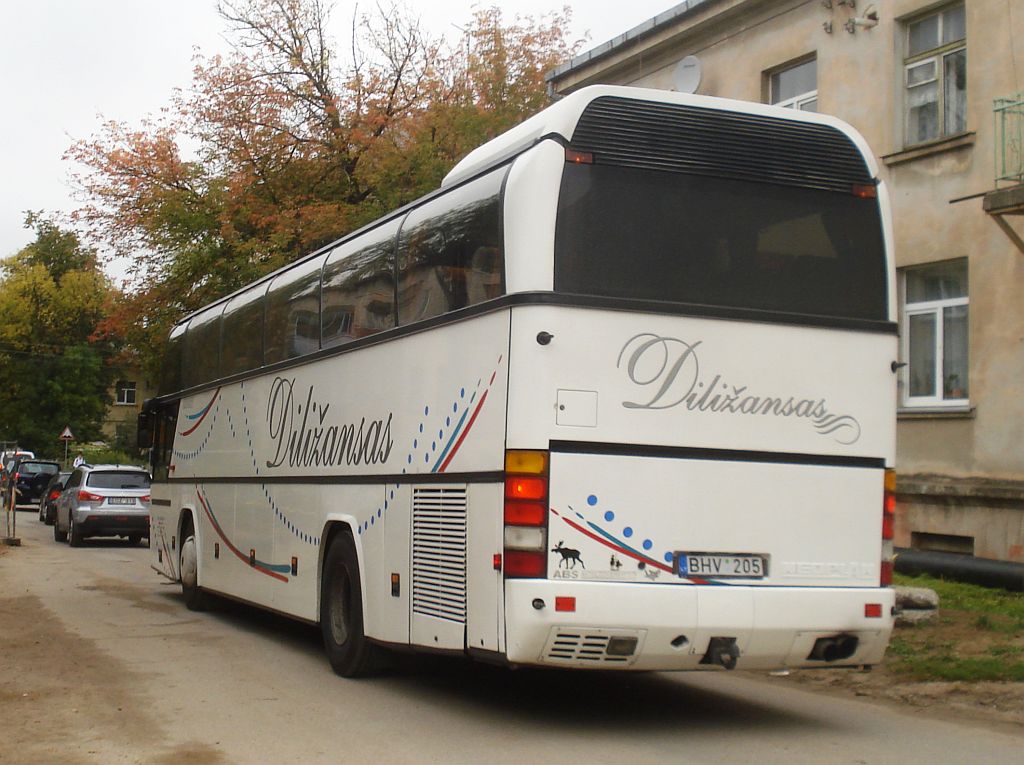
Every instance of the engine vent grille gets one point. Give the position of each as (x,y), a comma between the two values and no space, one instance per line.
(587,647)
(723,144)
(439,552)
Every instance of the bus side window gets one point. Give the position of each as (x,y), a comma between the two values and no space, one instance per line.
(358,292)
(241,343)
(202,348)
(170,370)
(450,252)
(293,299)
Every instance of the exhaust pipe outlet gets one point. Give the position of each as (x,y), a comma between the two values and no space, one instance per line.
(832,649)
(722,651)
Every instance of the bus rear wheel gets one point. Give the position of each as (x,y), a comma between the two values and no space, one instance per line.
(188,569)
(341,612)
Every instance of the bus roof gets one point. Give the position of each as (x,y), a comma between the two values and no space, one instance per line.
(560,120)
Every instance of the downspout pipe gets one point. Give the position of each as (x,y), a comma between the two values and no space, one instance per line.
(961,568)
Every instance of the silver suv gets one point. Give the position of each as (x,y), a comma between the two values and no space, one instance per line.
(103,501)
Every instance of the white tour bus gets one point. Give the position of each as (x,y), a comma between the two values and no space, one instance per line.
(619,395)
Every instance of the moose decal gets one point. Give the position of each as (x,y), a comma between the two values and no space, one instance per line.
(568,555)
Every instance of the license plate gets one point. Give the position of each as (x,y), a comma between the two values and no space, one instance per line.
(121,500)
(721,565)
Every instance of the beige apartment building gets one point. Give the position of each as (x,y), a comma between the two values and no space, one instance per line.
(936,89)
(128,395)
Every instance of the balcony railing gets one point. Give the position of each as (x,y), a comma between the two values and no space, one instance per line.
(1009,117)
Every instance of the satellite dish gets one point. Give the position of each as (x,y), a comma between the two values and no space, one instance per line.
(686,77)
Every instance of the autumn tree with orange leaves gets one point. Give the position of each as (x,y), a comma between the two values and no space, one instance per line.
(283,145)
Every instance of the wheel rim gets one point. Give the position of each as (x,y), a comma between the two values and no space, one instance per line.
(339,606)
(189,567)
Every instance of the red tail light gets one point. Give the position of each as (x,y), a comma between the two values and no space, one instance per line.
(54,493)
(145,497)
(885,580)
(579,157)
(526,514)
(523,564)
(525,487)
(889,507)
(88,496)
(888,526)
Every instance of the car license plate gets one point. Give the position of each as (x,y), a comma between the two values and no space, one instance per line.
(721,565)
(121,500)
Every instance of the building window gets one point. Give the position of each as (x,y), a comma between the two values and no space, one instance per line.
(125,393)
(935,336)
(795,87)
(935,75)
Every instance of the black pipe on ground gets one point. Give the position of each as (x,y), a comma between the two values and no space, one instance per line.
(961,568)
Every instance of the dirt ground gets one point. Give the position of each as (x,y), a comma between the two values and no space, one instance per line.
(32,640)
(1001,703)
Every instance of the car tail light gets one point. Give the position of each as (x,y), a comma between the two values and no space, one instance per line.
(526,514)
(888,526)
(88,496)
(145,497)
(54,493)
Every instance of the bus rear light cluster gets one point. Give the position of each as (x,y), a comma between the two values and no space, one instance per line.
(888,526)
(526,514)
(579,157)
(864,190)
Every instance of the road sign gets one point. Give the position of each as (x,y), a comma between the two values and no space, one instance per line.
(66,434)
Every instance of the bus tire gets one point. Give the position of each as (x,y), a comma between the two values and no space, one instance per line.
(188,568)
(341,612)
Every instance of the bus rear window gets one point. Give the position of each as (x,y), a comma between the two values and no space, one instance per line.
(647,235)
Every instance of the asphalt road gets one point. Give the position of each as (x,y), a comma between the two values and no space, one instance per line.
(100,662)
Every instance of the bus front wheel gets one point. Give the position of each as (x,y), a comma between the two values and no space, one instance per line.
(188,569)
(341,612)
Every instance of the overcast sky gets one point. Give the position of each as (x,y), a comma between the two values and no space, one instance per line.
(65,65)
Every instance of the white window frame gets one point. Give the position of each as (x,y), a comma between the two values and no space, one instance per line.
(934,308)
(936,57)
(800,100)
(123,387)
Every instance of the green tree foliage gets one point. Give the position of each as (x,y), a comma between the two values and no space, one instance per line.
(53,369)
(291,145)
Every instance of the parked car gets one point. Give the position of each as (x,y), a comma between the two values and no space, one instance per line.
(48,499)
(26,478)
(103,501)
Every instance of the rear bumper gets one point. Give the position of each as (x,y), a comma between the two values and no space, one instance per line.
(24,500)
(774,627)
(97,524)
